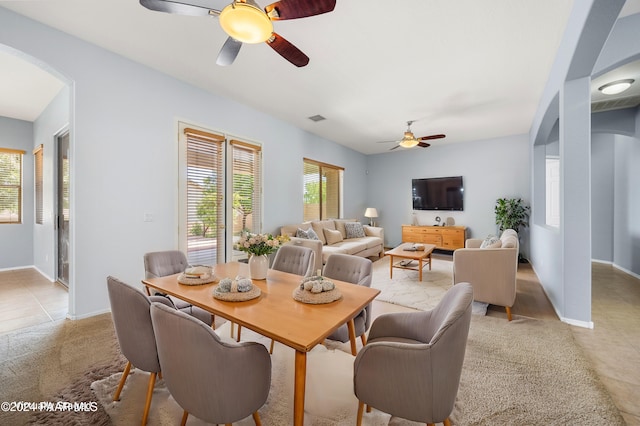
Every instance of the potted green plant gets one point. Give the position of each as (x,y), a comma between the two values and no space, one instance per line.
(512,213)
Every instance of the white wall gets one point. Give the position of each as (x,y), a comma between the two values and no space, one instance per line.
(50,122)
(16,240)
(491,169)
(602,199)
(124,156)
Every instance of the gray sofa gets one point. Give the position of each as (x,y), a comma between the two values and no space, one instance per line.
(333,237)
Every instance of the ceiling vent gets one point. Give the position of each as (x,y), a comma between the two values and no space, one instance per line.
(317,118)
(621,103)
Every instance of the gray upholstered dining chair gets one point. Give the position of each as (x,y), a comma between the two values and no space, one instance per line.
(355,270)
(412,363)
(215,381)
(169,262)
(295,260)
(132,321)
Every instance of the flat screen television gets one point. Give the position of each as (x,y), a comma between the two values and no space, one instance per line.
(443,193)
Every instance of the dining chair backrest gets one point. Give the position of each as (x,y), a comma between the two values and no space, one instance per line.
(216,381)
(130,311)
(163,263)
(295,260)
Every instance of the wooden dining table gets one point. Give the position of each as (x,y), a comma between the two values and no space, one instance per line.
(276,314)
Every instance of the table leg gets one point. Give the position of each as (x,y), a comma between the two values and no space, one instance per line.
(420,268)
(299,387)
(352,336)
(390,266)
(430,261)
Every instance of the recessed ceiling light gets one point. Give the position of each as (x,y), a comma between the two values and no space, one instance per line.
(616,87)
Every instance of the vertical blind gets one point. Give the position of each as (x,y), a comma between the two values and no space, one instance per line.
(205,197)
(246,187)
(322,190)
(37,158)
(11,185)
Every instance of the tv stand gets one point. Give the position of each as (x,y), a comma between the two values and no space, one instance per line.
(443,237)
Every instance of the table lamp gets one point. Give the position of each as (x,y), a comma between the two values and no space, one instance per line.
(371,213)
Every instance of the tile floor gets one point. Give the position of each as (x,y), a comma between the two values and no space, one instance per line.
(27,298)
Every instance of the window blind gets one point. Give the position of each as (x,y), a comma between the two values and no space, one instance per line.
(11,185)
(205,197)
(322,190)
(38,182)
(246,187)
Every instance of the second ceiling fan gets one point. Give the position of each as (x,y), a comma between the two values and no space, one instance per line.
(245,22)
(409,140)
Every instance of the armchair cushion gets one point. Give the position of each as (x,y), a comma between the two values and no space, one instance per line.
(492,241)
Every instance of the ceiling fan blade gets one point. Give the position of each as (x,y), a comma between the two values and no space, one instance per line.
(287,50)
(427,138)
(293,9)
(397,146)
(424,144)
(178,8)
(229,51)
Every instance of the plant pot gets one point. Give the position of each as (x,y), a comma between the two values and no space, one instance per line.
(258,266)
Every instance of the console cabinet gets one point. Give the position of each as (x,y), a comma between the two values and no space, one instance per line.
(443,237)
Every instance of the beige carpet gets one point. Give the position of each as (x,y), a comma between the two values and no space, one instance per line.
(521,372)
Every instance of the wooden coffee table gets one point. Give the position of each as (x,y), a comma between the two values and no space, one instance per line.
(422,255)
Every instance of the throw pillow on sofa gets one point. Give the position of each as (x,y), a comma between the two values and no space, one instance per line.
(309,234)
(491,241)
(354,230)
(332,236)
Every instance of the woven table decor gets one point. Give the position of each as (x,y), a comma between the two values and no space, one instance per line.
(316,290)
(197,275)
(233,294)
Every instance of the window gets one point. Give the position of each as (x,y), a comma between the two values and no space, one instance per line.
(552,201)
(204,203)
(322,190)
(220,194)
(11,185)
(37,158)
(246,183)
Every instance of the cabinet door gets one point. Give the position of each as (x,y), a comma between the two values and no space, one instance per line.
(453,239)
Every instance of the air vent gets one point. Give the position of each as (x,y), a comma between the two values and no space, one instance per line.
(317,118)
(621,103)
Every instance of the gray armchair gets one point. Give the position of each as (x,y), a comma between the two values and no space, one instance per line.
(215,381)
(163,263)
(355,270)
(132,321)
(412,363)
(295,260)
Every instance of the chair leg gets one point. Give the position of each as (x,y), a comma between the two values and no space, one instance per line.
(360,412)
(368,408)
(447,422)
(184,418)
(125,374)
(239,330)
(256,419)
(213,321)
(231,330)
(271,347)
(364,339)
(147,405)
(508,309)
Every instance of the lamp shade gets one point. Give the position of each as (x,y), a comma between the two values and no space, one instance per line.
(371,212)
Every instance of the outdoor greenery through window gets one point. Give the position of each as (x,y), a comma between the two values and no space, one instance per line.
(322,190)
(11,185)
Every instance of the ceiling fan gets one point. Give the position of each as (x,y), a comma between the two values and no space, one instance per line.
(409,140)
(245,22)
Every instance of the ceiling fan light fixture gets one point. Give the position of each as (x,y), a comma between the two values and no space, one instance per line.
(246,22)
(408,141)
(616,87)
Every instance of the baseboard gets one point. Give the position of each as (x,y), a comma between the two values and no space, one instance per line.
(16,268)
(626,271)
(577,323)
(89,315)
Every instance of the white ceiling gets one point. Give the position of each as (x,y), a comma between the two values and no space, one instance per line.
(470,69)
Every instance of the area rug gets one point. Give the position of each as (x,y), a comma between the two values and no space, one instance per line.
(521,372)
(405,289)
